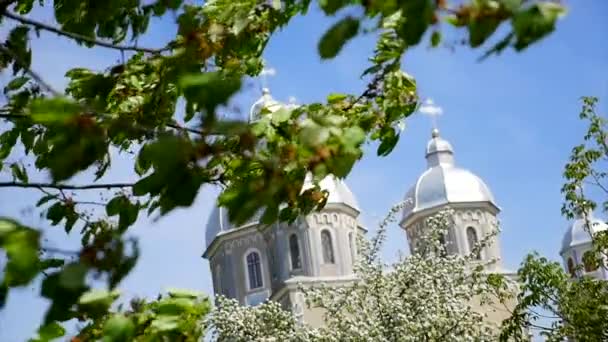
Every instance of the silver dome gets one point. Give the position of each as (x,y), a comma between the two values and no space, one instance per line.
(339,193)
(577,234)
(443,182)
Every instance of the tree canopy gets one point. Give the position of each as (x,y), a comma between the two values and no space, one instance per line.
(136,106)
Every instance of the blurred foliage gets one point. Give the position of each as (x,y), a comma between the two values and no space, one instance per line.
(557,307)
(134,106)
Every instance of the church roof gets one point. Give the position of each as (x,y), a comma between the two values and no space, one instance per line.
(266,101)
(339,192)
(577,233)
(443,182)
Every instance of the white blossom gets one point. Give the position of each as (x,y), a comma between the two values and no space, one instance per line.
(428,296)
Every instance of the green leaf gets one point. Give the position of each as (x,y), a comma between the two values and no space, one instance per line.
(281,115)
(51,331)
(389,141)
(314,135)
(482,28)
(21,245)
(209,89)
(179,293)
(6,227)
(334,39)
(72,277)
(16,83)
(535,22)
(119,328)
(435,38)
(335,98)
(56,213)
(165,323)
(353,136)
(418,15)
(97,296)
(174,306)
(332,6)
(19,172)
(51,110)
(114,206)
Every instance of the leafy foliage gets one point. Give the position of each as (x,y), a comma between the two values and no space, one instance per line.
(177,316)
(135,106)
(575,309)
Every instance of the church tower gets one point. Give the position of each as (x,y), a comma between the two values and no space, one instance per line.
(577,242)
(253,262)
(445,185)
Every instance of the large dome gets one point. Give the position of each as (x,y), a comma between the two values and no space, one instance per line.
(443,182)
(339,193)
(577,234)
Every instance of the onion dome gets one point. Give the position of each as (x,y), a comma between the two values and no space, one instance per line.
(264,102)
(443,182)
(579,234)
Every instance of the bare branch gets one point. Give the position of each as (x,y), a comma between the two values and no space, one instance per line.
(65,186)
(80,37)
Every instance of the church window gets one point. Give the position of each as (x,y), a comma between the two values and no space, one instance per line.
(218,279)
(472,240)
(443,246)
(254,270)
(571,269)
(294,251)
(589,262)
(351,243)
(328,249)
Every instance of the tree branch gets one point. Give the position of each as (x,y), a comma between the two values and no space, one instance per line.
(64,186)
(80,37)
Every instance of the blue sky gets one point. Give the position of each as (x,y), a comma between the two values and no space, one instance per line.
(512,120)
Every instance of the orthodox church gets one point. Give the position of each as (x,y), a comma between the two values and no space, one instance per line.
(253,265)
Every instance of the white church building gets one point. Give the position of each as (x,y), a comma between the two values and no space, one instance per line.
(253,265)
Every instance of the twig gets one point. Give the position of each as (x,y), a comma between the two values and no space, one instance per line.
(80,37)
(65,186)
(187,129)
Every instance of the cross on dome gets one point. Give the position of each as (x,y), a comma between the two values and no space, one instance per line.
(430,109)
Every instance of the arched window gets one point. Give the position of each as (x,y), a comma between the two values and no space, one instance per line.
(444,248)
(254,270)
(328,249)
(351,243)
(472,240)
(571,269)
(218,280)
(589,262)
(294,251)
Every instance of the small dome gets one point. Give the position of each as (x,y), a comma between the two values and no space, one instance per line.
(264,102)
(339,193)
(577,234)
(443,182)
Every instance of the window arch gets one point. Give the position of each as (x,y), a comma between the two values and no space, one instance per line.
(253,263)
(294,252)
(589,261)
(327,246)
(218,279)
(443,251)
(571,269)
(472,241)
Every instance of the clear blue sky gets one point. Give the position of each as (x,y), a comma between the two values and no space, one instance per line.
(512,120)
